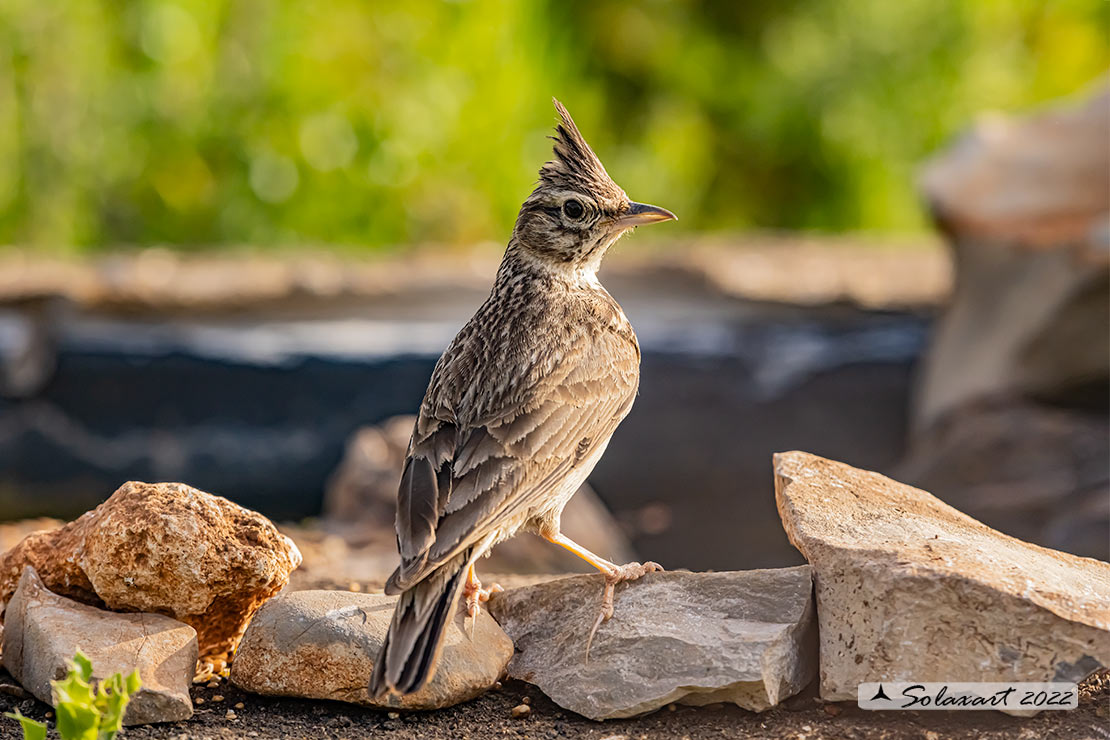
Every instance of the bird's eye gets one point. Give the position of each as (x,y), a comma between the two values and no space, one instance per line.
(573,209)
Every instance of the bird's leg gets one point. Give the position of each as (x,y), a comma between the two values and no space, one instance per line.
(476,595)
(614,574)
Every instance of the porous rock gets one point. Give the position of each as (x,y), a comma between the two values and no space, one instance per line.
(43,631)
(323,644)
(910,589)
(165,548)
(747,637)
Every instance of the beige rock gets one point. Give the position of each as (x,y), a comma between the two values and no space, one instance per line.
(908,588)
(322,645)
(746,637)
(43,631)
(1025,204)
(165,548)
(360,503)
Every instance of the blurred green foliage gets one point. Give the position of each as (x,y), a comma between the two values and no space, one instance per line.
(214,122)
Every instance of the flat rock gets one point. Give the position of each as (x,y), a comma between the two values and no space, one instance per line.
(43,631)
(909,589)
(165,548)
(322,645)
(747,637)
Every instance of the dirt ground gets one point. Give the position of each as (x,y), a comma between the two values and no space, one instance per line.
(802,718)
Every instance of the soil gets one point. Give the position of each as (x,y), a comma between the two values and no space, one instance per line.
(802,718)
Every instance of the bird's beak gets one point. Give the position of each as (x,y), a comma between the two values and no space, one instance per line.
(641,213)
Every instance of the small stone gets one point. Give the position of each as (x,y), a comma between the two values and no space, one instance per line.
(909,589)
(43,631)
(199,700)
(745,637)
(239,705)
(521,710)
(393,715)
(165,548)
(218,697)
(213,684)
(296,633)
(526,700)
(230,714)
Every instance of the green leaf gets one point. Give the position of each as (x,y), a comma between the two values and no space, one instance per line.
(77,721)
(32,729)
(133,683)
(83,665)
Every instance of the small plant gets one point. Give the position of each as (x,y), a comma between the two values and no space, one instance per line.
(84,713)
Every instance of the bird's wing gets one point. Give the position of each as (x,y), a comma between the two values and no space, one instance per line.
(463,482)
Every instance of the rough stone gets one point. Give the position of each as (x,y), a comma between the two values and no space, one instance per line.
(1025,205)
(908,588)
(166,548)
(322,645)
(43,631)
(746,637)
(360,503)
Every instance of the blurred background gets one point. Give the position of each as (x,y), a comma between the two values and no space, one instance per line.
(240,232)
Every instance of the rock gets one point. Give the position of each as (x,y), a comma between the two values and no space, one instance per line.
(165,548)
(322,645)
(908,588)
(43,631)
(747,637)
(360,503)
(1032,470)
(1025,205)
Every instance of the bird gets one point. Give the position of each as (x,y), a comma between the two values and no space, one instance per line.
(519,409)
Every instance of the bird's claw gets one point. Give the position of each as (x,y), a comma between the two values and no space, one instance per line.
(475,597)
(622,573)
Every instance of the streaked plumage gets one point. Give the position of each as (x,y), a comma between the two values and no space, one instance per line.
(520,406)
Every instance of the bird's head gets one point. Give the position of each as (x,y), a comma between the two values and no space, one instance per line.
(576,211)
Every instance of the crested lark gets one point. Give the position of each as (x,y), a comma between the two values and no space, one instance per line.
(519,409)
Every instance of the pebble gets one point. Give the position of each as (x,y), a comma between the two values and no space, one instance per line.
(521,710)
(239,705)
(198,700)
(218,697)
(213,684)
(394,715)
(230,714)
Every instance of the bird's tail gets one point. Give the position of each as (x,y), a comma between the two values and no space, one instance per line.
(412,646)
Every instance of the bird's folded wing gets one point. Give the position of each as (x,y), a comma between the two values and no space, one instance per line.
(462,483)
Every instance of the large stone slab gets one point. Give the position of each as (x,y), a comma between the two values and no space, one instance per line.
(43,631)
(909,589)
(165,548)
(323,644)
(745,637)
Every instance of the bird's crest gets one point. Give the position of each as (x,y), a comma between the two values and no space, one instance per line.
(575,165)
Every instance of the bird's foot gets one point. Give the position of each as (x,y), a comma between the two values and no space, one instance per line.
(620,574)
(475,597)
